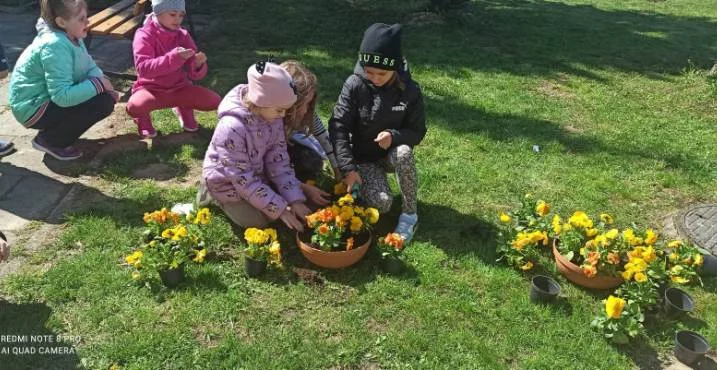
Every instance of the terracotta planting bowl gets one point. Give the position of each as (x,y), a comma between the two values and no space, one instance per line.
(333,260)
(573,273)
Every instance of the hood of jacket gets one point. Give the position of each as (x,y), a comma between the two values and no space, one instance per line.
(233,105)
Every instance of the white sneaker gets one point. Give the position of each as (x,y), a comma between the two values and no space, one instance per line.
(406,226)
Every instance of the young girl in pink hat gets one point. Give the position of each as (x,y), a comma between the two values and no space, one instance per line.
(167,62)
(246,167)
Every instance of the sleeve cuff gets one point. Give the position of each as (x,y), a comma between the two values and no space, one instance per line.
(97,83)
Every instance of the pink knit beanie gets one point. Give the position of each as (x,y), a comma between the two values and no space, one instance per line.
(270,86)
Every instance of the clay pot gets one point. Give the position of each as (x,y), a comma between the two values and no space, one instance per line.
(573,273)
(332,260)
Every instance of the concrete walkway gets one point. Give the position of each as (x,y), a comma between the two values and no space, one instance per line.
(35,187)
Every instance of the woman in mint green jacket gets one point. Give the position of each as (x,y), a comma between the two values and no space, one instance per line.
(56,87)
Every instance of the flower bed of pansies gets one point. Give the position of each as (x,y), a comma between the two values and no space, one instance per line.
(646,263)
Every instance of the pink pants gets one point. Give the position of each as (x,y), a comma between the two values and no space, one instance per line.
(186,99)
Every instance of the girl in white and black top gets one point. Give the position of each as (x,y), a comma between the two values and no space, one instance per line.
(308,143)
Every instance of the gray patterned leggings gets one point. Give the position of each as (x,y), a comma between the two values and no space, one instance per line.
(375,191)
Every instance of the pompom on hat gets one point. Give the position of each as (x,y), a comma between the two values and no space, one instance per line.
(270,86)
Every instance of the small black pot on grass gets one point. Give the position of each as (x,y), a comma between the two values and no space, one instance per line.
(392,265)
(690,347)
(254,267)
(677,302)
(543,289)
(709,265)
(172,277)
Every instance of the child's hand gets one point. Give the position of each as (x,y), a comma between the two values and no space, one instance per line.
(185,53)
(115,95)
(351,178)
(384,139)
(106,84)
(291,221)
(200,58)
(316,195)
(300,210)
(4,250)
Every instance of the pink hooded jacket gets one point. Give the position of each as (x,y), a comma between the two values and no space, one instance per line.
(157,61)
(246,152)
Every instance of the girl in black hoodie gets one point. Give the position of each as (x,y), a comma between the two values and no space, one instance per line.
(377,120)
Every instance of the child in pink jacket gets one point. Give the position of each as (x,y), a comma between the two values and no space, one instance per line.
(167,61)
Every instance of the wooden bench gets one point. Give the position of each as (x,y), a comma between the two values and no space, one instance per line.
(119,20)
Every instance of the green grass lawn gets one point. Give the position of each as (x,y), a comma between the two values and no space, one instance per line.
(615,94)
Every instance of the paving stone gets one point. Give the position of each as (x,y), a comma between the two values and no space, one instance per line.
(32,198)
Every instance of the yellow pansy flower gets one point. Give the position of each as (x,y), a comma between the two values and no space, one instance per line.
(675,244)
(679,280)
(340,188)
(591,232)
(504,218)
(640,277)
(557,228)
(135,258)
(271,233)
(356,224)
(346,200)
(527,266)
(203,216)
(199,257)
(674,257)
(649,254)
(699,260)
(372,214)
(606,218)
(542,208)
(614,306)
(650,237)
(612,234)
(628,274)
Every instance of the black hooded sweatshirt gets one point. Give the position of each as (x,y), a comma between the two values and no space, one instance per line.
(364,110)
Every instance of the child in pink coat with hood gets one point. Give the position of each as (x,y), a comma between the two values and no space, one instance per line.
(246,168)
(167,61)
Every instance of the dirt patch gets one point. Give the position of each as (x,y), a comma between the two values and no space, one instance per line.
(309,277)
(206,335)
(572,129)
(424,18)
(376,327)
(155,171)
(555,89)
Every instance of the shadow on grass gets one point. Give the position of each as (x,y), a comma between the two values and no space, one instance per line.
(28,343)
(125,156)
(641,353)
(520,37)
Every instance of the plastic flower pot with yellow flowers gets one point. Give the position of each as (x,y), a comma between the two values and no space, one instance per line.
(338,235)
(391,249)
(622,320)
(523,233)
(169,241)
(262,248)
